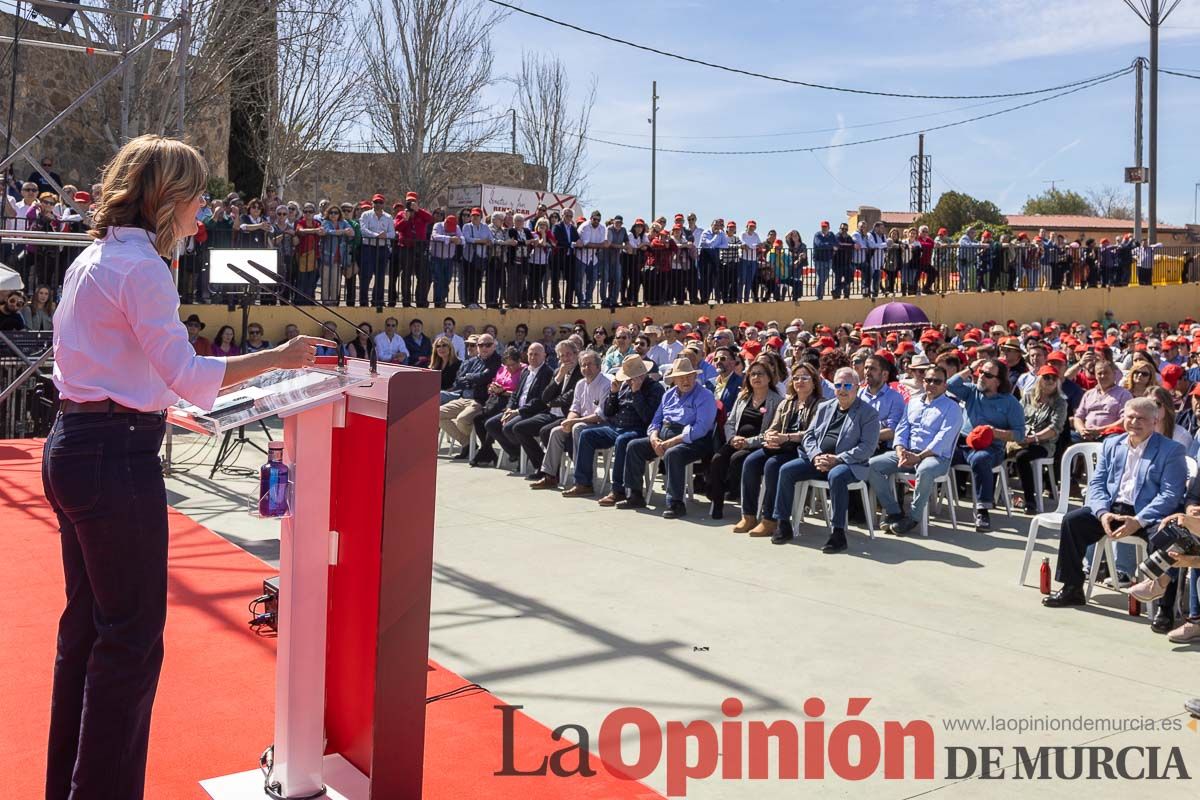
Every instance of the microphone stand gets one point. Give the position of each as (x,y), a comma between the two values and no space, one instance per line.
(275,276)
(253,281)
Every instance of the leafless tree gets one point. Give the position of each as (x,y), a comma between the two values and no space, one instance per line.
(549,131)
(428,64)
(222,39)
(306,102)
(1113,202)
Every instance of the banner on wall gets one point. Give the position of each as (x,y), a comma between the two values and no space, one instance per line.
(489,199)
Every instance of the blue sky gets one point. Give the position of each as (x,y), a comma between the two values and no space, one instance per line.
(1082,140)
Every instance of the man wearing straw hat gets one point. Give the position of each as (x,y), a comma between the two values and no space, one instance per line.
(628,409)
(679,433)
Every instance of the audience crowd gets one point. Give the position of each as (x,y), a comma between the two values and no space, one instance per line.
(372,253)
(771,417)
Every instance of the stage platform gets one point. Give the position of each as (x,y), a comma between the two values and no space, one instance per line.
(215,705)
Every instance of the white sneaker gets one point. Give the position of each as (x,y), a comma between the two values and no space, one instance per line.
(1187,632)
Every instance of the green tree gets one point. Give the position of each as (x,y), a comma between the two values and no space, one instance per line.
(1059,201)
(955,210)
(981,226)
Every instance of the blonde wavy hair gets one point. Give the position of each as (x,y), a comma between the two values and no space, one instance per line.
(144,183)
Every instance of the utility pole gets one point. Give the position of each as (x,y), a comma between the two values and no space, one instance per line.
(1195,202)
(653,143)
(514,131)
(1137,147)
(1152,210)
(1053,183)
(1155,14)
(920,173)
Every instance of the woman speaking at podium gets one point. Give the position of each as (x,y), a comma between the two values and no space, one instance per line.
(121,357)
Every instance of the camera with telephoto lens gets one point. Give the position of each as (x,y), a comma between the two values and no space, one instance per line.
(1180,542)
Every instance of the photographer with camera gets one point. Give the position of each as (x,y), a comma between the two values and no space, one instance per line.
(1178,548)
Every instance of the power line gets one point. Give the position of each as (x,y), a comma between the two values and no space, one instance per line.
(791,81)
(1179,74)
(814,148)
(813,130)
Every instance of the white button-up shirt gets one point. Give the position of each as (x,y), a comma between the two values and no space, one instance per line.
(117,334)
(589,397)
(376,228)
(590,235)
(1127,491)
(386,349)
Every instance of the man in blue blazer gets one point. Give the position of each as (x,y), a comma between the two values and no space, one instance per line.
(836,448)
(1139,480)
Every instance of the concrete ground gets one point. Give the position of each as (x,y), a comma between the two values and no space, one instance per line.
(573,611)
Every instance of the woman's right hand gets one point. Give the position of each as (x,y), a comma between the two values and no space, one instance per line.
(300,352)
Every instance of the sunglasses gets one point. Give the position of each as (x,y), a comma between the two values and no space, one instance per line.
(253,332)
(843,387)
(1049,377)
(803,378)
(1141,374)
(934,381)
(988,374)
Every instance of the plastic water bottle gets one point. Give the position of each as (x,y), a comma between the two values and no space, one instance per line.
(273,483)
(1044,583)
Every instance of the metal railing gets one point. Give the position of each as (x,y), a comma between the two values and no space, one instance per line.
(530,275)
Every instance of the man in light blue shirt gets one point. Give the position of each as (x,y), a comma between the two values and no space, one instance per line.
(886,401)
(680,433)
(924,443)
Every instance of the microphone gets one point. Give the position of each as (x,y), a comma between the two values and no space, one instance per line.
(253,281)
(275,276)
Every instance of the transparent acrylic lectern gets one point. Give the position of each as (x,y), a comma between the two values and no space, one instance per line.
(355,565)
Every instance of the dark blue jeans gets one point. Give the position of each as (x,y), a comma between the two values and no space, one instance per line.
(801,469)
(639,451)
(601,437)
(373,264)
(102,476)
(762,467)
(982,462)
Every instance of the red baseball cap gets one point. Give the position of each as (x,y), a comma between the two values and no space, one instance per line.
(378,198)
(1047,370)
(702,321)
(1170,375)
(980,437)
(1057,355)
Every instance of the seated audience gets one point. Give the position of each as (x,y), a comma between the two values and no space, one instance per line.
(781,444)
(679,433)
(1139,480)
(995,418)
(524,403)
(924,445)
(745,425)
(1045,410)
(633,397)
(836,448)
(474,378)
(499,392)
(532,432)
(586,409)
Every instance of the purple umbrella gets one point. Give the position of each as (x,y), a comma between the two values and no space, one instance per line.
(893,316)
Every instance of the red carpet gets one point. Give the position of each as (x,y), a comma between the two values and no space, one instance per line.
(215,701)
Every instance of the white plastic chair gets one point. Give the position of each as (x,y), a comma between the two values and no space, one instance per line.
(943,487)
(1001,473)
(652,471)
(601,462)
(1089,452)
(820,485)
(1045,465)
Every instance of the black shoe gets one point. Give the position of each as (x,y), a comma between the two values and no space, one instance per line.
(836,543)
(1066,596)
(717,510)
(983,520)
(481,459)
(465,455)
(1163,622)
(783,533)
(633,500)
(886,525)
(675,511)
(903,526)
